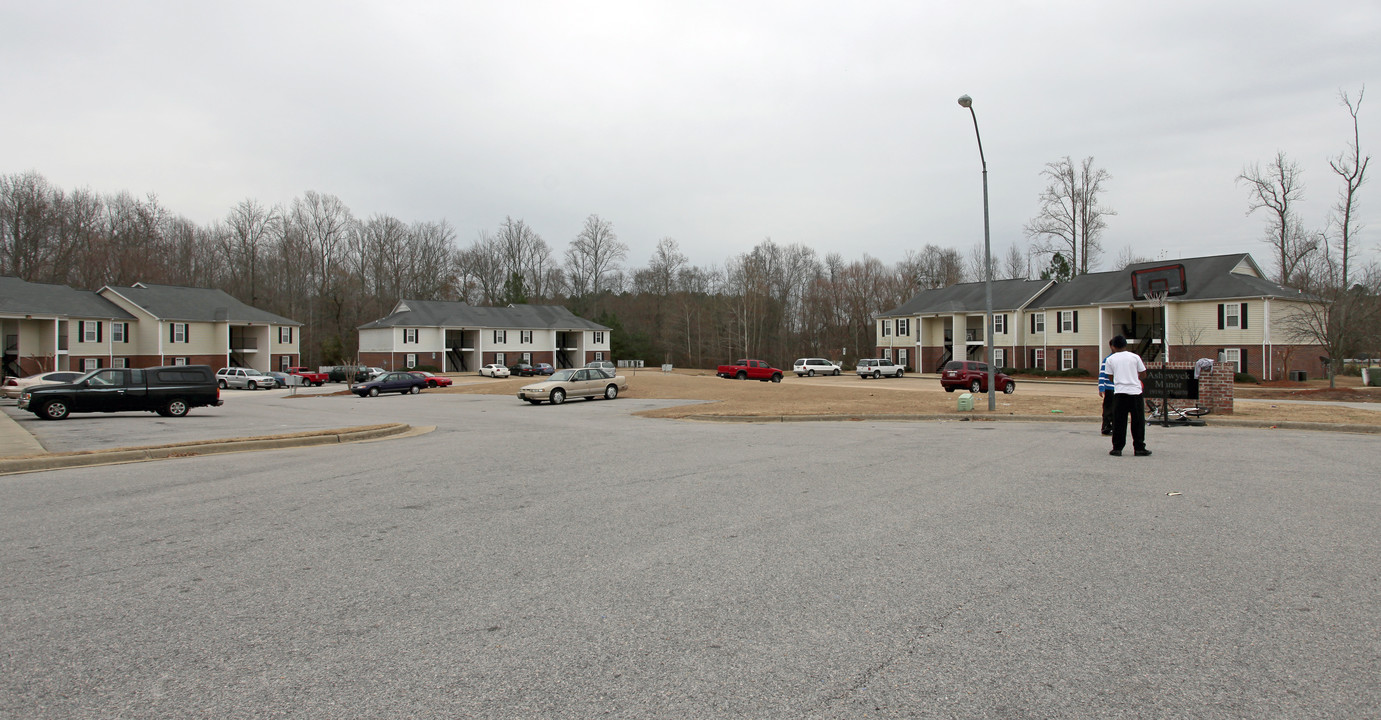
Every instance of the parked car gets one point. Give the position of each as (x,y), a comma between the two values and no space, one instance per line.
(588,383)
(603,365)
(815,366)
(494,371)
(747,369)
(878,367)
(399,382)
(973,376)
(544,369)
(280,379)
(348,373)
(170,391)
(433,380)
(13,386)
(308,377)
(239,377)
(522,370)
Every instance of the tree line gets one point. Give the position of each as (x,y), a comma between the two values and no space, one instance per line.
(315,261)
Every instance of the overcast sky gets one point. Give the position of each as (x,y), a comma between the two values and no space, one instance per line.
(719,124)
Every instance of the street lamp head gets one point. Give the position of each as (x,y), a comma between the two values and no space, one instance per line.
(965,101)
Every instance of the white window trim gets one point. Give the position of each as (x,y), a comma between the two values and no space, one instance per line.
(1066,324)
(524,337)
(599,355)
(1040,358)
(1232,355)
(410,360)
(999,324)
(598,337)
(180,334)
(1040,322)
(90,331)
(119,362)
(118,332)
(999,358)
(179,361)
(1232,318)
(89,364)
(887,328)
(500,337)
(1067,359)
(409,336)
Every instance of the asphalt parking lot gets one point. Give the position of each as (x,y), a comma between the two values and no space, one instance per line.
(576,561)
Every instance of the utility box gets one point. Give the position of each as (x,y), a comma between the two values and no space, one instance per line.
(966,401)
(1299,375)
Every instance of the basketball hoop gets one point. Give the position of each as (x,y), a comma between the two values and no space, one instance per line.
(1155,284)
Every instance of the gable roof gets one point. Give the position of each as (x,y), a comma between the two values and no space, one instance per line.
(1219,277)
(1008,295)
(185,304)
(442,313)
(21,297)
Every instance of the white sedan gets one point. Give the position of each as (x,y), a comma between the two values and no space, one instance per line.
(494,371)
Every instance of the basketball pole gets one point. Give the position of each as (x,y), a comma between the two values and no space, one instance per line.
(1165,361)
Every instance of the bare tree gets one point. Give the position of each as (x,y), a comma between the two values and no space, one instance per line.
(1343,319)
(1071,219)
(1276,190)
(250,226)
(1014,265)
(592,255)
(1351,167)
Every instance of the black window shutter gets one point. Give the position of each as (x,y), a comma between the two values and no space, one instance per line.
(1076,321)
(98,331)
(1033,322)
(1060,322)
(1074,356)
(1244,316)
(126,335)
(1242,364)
(1220,316)
(172,331)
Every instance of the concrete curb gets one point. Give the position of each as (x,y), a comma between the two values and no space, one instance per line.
(1091,419)
(86,458)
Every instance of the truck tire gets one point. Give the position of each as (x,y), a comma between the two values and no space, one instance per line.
(741,375)
(53,410)
(900,372)
(1011,388)
(253,385)
(836,372)
(776,377)
(976,386)
(221,384)
(177,407)
(877,374)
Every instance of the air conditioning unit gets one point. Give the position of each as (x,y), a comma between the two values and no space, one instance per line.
(1299,375)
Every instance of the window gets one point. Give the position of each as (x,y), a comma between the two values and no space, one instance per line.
(180,360)
(499,359)
(525,337)
(1000,324)
(119,332)
(119,362)
(410,335)
(886,354)
(410,360)
(901,356)
(285,335)
(1067,322)
(1231,355)
(1230,315)
(1038,358)
(500,337)
(89,331)
(283,363)
(1000,357)
(527,358)
(599,356)
(903,327)
(599,337)
(89,364)
(1067,359)
(177,332)
(886,328)
(1038,322)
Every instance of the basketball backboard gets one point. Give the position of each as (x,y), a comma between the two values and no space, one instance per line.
(1166,280)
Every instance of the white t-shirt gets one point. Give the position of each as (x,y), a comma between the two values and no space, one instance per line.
(1124,368)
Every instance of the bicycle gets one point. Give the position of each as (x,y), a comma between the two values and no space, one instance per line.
(1187,415)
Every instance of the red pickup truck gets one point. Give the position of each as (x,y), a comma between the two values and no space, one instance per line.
(749,370)
(309,377)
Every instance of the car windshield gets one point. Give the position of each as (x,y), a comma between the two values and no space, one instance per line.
(252,371)
(954,366)
(563,375)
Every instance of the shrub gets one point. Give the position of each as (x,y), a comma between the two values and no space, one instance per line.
(427,368)
(1352,369)
(1243,378)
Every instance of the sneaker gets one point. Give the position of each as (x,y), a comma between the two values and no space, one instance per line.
(1142,453)
(1115,453)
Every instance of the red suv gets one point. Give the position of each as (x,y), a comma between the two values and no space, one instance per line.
(972,376)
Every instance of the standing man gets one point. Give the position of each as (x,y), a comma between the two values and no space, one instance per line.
(1127,370)
(1105,391)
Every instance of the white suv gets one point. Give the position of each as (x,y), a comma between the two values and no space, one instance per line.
(238,377)
(814,366)
(878,367)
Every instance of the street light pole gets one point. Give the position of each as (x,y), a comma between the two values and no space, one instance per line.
(967,102)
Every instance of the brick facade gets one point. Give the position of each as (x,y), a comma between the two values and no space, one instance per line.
(1215,389)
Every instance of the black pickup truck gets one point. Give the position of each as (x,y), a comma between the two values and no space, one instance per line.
(170,391)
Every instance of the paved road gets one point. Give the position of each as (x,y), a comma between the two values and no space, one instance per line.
(574,561)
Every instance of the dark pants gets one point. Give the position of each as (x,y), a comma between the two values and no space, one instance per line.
(1125,405)
(1108,401)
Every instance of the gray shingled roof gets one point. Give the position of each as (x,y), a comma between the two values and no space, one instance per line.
(1205,278)
(170,302)
(21,297)
(1008,295)
(440,313)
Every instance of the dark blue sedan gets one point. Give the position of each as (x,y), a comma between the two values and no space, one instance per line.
(399,382)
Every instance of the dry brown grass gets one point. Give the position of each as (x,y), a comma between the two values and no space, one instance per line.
(849,395)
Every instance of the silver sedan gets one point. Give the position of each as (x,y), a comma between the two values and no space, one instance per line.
(588,383)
